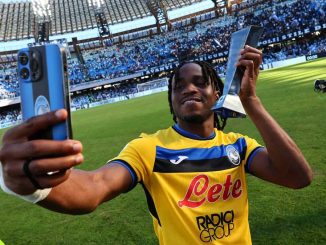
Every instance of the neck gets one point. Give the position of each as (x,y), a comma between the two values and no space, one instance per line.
(204,129)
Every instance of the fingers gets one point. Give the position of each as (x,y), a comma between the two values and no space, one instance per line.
(50,167)
(47,181)
(44,167)
(47,172)
(249,61)
(39,148)
(54,171)
(45,156)
(248,48)
(250,54)
(22,185)
(34,125)
(249,70)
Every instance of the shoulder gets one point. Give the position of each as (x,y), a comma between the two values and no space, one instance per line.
(152,138)
(236,138)
(162,133)
(230,136)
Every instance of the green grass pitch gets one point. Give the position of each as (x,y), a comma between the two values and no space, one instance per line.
(277,215)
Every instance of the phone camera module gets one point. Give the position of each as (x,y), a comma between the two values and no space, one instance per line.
(24,73)
(23,59)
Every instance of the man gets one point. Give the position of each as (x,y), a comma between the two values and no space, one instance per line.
(192,173)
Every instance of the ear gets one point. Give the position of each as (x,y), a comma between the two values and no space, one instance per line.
(217,94)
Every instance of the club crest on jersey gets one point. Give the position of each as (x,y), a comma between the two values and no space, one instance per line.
(233,155)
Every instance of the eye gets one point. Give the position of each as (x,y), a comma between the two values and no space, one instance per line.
(178,86)
(200,82)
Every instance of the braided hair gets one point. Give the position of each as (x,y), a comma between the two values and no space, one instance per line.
(209,73)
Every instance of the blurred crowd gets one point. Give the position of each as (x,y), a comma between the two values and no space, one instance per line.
(83,100)
(209,37)
(202,39)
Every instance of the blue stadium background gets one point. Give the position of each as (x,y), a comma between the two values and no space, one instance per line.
(115,47)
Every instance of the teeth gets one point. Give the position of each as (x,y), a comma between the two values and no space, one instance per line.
(191,101)
(194,99)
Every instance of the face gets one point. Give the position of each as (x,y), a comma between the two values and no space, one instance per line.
(192,97)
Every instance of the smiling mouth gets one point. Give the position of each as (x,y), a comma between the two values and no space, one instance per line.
(191,100)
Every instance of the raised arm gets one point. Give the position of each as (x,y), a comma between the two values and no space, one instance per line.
(73,191)
(282,161)
(84,191)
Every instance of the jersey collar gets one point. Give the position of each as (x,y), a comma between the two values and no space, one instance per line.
(187,134)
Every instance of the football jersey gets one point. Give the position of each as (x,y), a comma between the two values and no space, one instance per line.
(195,187)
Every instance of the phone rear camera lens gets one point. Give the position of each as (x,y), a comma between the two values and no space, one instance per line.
(23,58)
(24,73)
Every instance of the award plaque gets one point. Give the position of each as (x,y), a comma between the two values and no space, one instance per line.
(229,104)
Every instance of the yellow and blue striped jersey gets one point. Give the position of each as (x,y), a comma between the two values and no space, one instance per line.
(195,187)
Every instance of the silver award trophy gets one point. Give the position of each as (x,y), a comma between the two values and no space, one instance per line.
(229,104)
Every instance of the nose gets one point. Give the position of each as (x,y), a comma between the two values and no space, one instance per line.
(189,88)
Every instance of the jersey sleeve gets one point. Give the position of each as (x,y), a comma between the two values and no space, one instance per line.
(136,156)
(252,147)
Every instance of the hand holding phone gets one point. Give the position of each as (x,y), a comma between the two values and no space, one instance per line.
(44,87)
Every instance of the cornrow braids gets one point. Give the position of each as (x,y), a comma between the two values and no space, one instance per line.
(209,74)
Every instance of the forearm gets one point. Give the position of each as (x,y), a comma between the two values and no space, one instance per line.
(77,195)
(84,191)
(284,155)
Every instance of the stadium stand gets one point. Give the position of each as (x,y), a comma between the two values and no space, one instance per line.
(18,21)
(292,29)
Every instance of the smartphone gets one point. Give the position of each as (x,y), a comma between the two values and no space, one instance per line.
(44,86)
